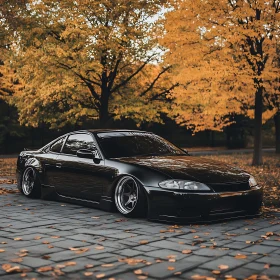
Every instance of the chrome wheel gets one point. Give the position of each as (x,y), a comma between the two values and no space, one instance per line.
(126,195)
(28,180)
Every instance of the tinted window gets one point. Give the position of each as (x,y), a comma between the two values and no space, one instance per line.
(79,141)
(56,147)
(129,144)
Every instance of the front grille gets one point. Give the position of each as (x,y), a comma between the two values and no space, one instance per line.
(230,187)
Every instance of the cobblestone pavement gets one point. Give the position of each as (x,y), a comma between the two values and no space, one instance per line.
(49,239)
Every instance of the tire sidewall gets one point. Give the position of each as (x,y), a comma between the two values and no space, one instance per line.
(36,190)
(140,209)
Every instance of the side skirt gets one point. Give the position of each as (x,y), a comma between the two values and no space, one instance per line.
(106,203)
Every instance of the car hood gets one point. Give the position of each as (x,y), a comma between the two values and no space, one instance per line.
(191,168)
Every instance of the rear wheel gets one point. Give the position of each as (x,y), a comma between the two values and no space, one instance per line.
(129,198)
(30,184)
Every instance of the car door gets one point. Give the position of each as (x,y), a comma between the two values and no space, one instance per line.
(81,178)
(49,159)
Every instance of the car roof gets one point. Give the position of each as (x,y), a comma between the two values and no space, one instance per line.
(100,130)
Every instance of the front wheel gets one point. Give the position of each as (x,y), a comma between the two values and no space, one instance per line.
(30,184)
(129,198)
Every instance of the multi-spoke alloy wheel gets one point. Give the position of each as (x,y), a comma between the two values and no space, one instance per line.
(30,184)
(126,195)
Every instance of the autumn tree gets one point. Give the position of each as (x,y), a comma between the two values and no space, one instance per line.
(95,59)
(9,82)
(224,51)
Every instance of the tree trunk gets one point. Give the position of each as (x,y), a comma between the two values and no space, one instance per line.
(104,111)
(277,131)
(257,157)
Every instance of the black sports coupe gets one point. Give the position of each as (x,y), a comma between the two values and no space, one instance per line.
(138,173)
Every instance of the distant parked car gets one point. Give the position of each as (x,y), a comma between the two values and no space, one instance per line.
(138,173)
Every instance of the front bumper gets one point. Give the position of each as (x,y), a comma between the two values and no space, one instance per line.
(172,206)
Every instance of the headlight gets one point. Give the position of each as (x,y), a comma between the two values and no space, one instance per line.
(252,181)
(183,185)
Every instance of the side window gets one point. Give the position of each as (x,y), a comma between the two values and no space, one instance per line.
(56,147)
(79,141)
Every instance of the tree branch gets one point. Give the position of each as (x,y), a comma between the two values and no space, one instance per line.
(155,80)
(132,75)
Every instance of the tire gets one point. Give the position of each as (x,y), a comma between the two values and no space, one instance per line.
(30,183)
(129,197)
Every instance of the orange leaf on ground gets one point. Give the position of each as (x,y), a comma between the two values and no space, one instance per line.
(88,273)
(223,266)
(240,256)
(107,265)
(89,265)
(186,251)
(216,272)
(70,263)
(142,242)
(99,248)
(170,267)
(100,275)
(138,271)
(44,268)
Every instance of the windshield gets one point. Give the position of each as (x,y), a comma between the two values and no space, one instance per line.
(131,144)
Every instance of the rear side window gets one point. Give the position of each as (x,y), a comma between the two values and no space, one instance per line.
(56,147)
(77,142)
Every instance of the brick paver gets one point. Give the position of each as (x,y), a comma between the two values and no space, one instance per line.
(83,243)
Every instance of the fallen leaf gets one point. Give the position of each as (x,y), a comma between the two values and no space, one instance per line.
(88,273)
(6,266)
(267,266)
(60,265)
(210,278)
(138,271)
(37,237)
(216,272)
(70,263)
(55,237)
(142,242)
(100,275)
(46,257)
(269,233)
(2,250)
(95,217)
(248,242)
(186,251)
(240,256)
(17,260)
(89,265)
(170,267)
(223,266)
(17,238)
(107,265)
(45,268)
(99,247)
(142,277)
(172,260)
(46,242)
(13,269)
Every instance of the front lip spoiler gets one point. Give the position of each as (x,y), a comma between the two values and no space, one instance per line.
(210,219)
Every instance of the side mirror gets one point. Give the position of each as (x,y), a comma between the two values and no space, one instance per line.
(84,153)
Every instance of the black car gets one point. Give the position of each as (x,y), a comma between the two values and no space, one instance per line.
(138,173)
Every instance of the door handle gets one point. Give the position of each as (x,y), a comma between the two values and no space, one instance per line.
(58,165)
